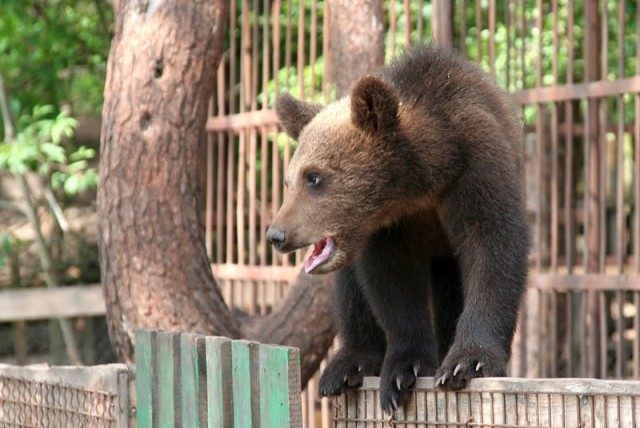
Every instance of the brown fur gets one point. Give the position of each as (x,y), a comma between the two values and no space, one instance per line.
(417,177)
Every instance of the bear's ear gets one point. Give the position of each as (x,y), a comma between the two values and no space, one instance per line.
(295,114)
(374,106)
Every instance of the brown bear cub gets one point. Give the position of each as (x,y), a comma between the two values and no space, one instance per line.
(412,188)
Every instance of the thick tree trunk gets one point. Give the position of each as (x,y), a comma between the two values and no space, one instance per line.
(357,40)
(155,271)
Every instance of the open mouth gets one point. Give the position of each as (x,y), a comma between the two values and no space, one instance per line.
(322,251)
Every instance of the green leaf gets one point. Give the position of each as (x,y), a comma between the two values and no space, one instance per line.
(77,166)
(53,152)
(57,179)
(82,153)
(71,185)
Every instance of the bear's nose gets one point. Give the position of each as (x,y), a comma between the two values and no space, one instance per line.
(276,237)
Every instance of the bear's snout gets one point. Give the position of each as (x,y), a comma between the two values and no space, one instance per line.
(277,238)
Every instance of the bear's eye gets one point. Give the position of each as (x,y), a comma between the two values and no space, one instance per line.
(313,179)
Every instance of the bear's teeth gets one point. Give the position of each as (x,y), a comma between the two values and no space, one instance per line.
(322,250)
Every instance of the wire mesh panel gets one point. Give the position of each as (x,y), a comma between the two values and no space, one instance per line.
(42,396)
(498,403)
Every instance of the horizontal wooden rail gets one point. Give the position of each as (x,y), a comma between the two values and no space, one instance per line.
(499,402)
(599,89)
(239,121)
(47,303)
(559,282)
(228,271)
(87,300)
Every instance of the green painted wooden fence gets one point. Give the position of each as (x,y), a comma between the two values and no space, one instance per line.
(188,380)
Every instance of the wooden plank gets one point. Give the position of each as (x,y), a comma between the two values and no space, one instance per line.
(47,303)
(279,386)
(193,397)
(562,282)
(239,121)
(244,358)
(167,378)
(145,388)
(574,91)
(254,273)
(503,402)
(220,398)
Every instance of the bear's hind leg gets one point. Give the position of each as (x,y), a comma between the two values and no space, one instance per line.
(362,341)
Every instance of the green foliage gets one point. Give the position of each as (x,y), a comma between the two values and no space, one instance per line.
(54,52)
(5,248)
(39,147)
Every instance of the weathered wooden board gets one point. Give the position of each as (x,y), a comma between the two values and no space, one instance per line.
(48,303)
(499,402)
(196,381)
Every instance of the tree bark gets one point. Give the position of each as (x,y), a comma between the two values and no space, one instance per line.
(357,40)
(155,271)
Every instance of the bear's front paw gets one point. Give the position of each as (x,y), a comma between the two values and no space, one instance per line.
(399,373)
(460,366)
(346,370)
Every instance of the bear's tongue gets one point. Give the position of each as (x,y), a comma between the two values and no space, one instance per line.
(322,250)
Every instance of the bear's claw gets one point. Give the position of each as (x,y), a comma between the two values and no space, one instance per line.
(398,376)
(346,371)
(459,368)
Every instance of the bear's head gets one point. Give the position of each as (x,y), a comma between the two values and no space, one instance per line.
(343,178)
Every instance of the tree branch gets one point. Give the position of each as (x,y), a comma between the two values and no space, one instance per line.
(30,211)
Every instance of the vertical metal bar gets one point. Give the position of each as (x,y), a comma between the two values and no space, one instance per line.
(555,198)
(603,115)
(255,58)
(553,337)
(241,197)
(220,170)
(275,153)
(636,169)
(479,31)
(636,339)
(620,354)
(540,152)
(230,223)
(570,335)
(621,232)
(523,62)
(602,331)
(392,27)
(264,136)
(288,44)
(301,40)
(326,78)
(407,24)
(313,47)
(569,169)
(508,25)
(620,206)
(209,196)
(463,27)
(492,37)
(593,208)
(420,20)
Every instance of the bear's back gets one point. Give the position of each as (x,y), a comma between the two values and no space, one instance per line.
(459,95)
